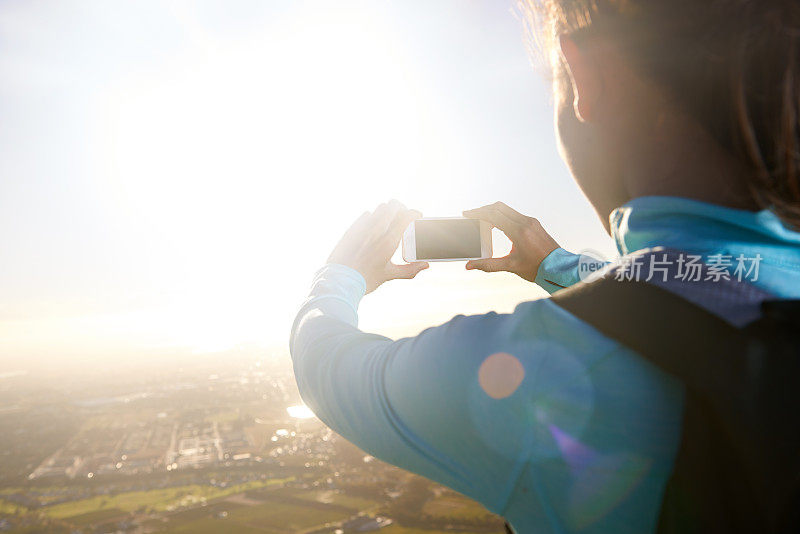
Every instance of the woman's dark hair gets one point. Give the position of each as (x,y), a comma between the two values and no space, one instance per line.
(734,65)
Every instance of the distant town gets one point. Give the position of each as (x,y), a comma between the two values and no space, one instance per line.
(212,444)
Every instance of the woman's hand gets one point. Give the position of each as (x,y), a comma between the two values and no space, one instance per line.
(530,243)
(369,244)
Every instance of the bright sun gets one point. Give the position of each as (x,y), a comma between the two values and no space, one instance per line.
(236,161)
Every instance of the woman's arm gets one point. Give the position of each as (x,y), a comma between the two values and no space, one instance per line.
(483,403)
(411,402)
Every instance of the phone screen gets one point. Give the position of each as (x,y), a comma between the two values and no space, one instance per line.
(447,238)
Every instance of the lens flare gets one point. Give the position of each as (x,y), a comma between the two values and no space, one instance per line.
(500,375)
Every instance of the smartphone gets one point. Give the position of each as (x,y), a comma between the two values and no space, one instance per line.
(447,239)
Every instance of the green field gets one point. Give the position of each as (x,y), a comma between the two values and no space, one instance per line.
(157,499)
(9,508)
(284,516)
(456,507)
(266,517)
(232,526)
(254,507)
(397,529)
(214,526)
(98,517)
(357,504)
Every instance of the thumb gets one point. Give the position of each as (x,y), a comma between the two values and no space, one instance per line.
(408,270)
(489,265)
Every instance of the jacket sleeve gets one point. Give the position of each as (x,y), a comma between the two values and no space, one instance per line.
(479,401)
(561,269)
(402,401)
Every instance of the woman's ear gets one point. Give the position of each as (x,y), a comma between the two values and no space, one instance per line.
(586,78)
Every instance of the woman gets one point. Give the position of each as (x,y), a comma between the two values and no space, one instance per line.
(679,120)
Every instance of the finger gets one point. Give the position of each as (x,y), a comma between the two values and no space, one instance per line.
(384,215)
(496,218)
(358,226)
(511,213)
(490,265)
(361,222)
(389,241)
(352,239)
(503,208)
(406,271)
(398,226)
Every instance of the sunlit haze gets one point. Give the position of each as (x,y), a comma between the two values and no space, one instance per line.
(175,172)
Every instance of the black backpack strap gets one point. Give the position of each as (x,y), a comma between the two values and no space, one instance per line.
(664,328)
(723,475)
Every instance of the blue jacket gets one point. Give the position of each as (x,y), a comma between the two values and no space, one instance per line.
(535,414)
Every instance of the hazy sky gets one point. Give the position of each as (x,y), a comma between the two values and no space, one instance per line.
(172,173)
